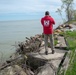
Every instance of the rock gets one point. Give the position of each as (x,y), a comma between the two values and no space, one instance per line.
(60,27)
(70,26)
(42,44)
(58,41)
(63,25)
(46,70)
(56,37)
(19,70)
(58,31)
(57,45)
(10,71)
(74,23)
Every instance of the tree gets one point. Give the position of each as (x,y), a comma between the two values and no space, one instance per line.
(68,6)
(74,15)
(60,13)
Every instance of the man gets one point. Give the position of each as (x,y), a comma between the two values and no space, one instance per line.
(47,22)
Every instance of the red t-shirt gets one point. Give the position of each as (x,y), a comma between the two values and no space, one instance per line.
(47,23)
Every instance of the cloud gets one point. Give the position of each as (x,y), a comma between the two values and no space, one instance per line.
(27,6)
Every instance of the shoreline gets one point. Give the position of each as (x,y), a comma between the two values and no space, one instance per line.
(16,34)
(37,38)
(60,26)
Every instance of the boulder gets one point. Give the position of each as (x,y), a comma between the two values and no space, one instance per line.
(46,70)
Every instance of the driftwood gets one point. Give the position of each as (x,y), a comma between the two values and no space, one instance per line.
(31,44)
(29,66)
(10,62)
(14,70)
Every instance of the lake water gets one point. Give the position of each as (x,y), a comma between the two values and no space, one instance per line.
(16,31)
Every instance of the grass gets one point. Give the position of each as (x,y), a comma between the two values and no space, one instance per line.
(55,42)
(71,38)
(71,34)
(70,22)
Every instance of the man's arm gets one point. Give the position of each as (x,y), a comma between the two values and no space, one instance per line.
(52,20)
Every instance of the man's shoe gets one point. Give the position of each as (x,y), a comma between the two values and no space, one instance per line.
(46,52)
(53,51)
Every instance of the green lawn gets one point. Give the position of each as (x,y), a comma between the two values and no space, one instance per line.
(71,38)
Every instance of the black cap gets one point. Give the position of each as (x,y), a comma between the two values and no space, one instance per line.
(47,13)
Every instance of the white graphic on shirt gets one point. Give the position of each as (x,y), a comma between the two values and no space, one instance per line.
(46,23)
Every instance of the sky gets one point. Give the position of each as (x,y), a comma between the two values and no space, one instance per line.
(28,9)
